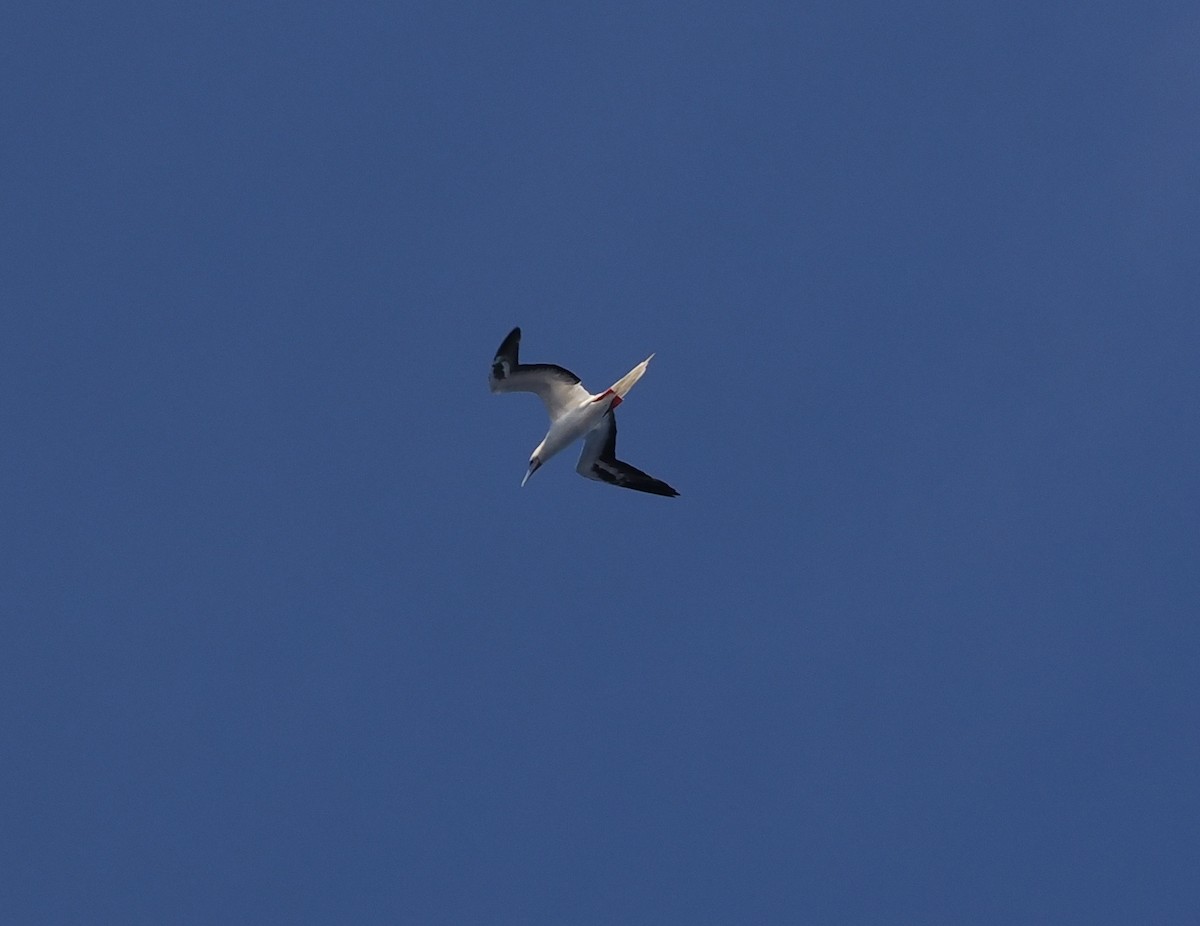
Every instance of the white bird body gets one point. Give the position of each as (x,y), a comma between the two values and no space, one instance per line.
(574,413)
(571,425)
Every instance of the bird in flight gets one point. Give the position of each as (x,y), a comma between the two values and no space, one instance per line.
(575,413)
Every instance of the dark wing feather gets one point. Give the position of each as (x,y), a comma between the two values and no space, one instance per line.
(599,461)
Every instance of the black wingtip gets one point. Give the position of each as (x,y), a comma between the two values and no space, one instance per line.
(649,485)
(508,347)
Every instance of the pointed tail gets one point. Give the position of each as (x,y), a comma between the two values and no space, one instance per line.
(626,382)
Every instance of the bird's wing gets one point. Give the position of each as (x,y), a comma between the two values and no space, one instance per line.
(599,461)
(556,386)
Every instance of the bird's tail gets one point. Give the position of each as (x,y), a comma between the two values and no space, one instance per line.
(626,382)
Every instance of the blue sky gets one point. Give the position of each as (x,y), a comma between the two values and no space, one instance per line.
(283,639)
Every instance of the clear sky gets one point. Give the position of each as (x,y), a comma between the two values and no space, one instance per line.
(284,641)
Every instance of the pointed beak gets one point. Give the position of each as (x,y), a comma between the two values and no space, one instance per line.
(534,466)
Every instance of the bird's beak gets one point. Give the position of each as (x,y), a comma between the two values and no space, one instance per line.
(534,465)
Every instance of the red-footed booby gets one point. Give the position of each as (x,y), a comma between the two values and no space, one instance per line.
(574,413)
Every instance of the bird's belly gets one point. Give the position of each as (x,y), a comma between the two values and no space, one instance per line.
(573,425)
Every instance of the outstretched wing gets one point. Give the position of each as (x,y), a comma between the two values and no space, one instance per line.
(599,461)
(556,386)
